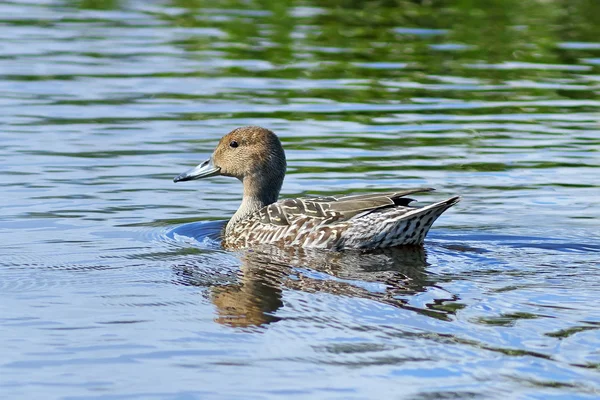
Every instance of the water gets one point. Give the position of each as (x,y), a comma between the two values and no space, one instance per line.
(112,283)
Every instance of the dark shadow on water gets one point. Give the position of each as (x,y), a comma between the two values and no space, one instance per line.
(247,287)
(252,295)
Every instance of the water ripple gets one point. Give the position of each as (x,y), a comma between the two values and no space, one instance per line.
(108,265)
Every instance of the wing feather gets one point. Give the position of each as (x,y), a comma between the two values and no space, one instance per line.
(391,195)
(329,209)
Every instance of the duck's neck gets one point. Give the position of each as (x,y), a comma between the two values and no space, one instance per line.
(258,193)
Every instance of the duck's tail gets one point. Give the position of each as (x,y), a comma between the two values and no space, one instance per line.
(396,226)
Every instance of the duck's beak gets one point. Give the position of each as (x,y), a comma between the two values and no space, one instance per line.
(204,170)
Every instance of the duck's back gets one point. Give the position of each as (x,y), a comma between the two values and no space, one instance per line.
(368,221)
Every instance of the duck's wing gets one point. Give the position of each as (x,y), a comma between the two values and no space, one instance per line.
(388,198)
(333,209)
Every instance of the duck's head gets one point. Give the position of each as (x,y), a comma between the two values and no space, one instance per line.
(252,154)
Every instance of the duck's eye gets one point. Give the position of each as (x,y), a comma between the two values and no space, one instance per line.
(233,144)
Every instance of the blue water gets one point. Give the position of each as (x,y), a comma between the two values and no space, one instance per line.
(112,281)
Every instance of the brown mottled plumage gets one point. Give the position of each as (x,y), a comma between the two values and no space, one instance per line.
(255,156)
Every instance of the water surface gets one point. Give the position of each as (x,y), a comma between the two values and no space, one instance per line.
(112,282)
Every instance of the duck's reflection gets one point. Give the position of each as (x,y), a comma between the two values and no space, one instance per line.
(254,299)
(390,276)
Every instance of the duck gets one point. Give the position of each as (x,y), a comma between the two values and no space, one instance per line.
(256,157)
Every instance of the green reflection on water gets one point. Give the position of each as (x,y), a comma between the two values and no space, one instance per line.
(343,33)
(503,50)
